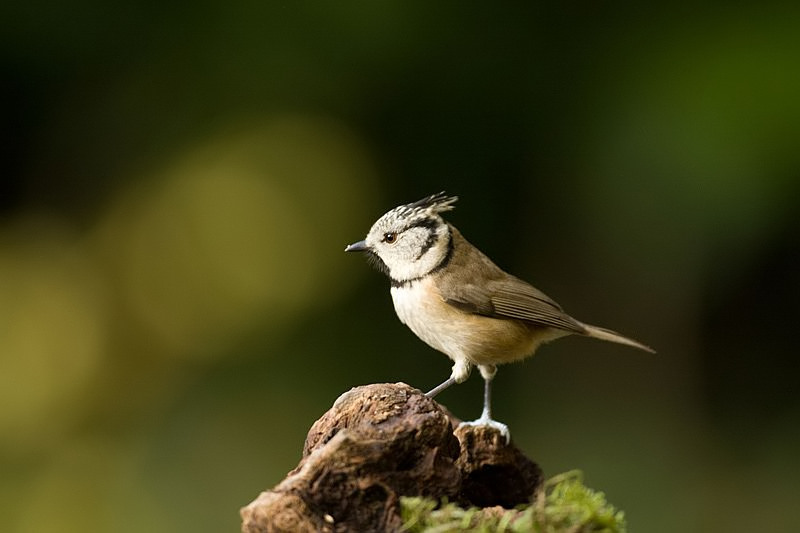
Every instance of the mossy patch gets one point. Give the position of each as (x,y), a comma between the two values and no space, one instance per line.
(564,504)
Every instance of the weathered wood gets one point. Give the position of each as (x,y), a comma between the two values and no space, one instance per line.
(380,442)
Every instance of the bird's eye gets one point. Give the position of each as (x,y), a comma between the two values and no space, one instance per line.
(390,237)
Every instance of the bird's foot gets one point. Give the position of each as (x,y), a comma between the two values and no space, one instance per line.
(489,422)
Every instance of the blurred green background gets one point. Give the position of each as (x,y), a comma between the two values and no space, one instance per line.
(179,182)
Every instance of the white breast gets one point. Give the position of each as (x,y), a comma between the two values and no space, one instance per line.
(465,337)
(419,306)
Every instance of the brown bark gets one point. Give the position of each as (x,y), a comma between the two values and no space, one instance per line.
(380,442)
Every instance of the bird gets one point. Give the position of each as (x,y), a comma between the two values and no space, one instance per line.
(459,302)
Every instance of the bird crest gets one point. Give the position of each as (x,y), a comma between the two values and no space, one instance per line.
(428,207)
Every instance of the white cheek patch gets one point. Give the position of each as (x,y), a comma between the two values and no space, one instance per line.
(403,269)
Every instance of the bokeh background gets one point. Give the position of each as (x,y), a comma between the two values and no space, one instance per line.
(179,182)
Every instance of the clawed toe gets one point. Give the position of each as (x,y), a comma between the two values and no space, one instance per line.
(499,426)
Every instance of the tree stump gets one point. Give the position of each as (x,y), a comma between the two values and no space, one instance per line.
(377,443)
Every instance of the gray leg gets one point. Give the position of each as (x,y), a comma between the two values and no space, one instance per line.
(439,388)
(488,375)
(460,373)
(488,372)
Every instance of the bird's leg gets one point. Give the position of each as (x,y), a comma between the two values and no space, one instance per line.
(461,371)
(486,414)
(439,388)
(488,372)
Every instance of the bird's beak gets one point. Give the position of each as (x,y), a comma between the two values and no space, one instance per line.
(360,246)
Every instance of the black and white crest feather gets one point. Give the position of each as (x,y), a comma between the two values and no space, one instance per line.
(437,203)
(427,207)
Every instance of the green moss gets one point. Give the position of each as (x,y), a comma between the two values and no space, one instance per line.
(563,504)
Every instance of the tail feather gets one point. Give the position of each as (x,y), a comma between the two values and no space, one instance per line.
(613,336)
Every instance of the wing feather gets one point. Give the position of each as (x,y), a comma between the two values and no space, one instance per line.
(482,288)
(513,298)
(516,299)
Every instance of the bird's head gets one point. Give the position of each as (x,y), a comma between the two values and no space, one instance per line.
(411,240)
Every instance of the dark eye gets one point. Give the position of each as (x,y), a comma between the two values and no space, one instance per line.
(390,238)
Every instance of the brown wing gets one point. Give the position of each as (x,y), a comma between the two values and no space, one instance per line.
(516,299)
(511,297)
(482,288)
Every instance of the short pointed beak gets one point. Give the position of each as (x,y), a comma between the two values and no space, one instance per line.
(360,246)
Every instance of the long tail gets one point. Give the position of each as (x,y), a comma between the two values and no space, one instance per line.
(613,336)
